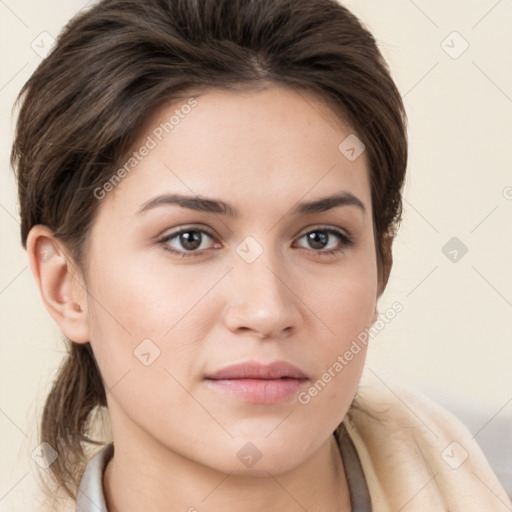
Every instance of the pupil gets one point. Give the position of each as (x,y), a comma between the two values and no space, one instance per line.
(190,239)
(317,239)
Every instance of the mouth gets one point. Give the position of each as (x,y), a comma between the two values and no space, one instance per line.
(258,383)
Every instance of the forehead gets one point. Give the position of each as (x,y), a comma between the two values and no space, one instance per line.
(261,144)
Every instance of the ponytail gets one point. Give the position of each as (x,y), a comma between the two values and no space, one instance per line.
(76,393)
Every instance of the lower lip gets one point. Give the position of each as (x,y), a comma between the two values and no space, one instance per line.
(258,391)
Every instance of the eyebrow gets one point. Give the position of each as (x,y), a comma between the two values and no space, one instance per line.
(202,204)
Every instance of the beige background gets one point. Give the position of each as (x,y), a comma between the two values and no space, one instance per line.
(452,340)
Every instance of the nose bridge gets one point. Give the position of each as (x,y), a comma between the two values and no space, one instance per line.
(261,299)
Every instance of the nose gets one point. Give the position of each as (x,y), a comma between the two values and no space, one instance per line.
(262,300)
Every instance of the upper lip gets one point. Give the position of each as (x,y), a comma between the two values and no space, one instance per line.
(255,370)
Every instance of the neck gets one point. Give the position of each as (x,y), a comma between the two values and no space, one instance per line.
(152,477)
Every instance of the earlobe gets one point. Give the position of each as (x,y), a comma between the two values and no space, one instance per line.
(60,286)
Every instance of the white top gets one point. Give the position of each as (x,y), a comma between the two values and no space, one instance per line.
(91,497)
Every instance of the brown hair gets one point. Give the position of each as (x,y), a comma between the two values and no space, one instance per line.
(115,64)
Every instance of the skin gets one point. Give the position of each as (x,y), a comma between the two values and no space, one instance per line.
(261,151)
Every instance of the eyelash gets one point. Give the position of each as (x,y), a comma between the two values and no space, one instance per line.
(347,241)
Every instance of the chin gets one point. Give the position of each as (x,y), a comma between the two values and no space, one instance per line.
(260,457)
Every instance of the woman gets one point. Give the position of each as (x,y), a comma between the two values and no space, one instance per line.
(209,194)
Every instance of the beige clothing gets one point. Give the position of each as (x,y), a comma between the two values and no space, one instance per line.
(417,456)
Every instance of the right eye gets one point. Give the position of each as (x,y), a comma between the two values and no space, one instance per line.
(188,242)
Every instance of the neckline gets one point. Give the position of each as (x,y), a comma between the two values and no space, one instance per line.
(358,488)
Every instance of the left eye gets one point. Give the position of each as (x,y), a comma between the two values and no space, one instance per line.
(318,239)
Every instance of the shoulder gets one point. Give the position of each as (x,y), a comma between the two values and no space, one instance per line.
(416,455)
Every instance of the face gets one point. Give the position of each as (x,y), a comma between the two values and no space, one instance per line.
(247,268)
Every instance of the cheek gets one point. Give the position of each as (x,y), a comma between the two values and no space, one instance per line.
(345,310)
(341,354)
(145,293)
(141,314)
(146,339)
(345,303)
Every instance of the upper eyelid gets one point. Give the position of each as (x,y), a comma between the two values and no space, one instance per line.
(183,229)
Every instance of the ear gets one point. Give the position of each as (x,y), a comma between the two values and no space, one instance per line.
(61,286)
(387,263)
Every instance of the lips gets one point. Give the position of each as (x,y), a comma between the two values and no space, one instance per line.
(257,383)
(255,370)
